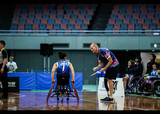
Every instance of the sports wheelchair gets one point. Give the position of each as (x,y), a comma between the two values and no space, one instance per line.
(62,80)
(146,88)
(131,84)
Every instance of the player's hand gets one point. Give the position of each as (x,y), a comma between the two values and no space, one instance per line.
(73,81)
(102,70)
(95,69)
(53,81)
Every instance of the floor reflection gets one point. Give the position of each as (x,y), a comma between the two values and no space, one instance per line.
(117,104)
(88,101)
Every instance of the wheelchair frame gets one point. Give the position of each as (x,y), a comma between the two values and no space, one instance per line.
(68,92)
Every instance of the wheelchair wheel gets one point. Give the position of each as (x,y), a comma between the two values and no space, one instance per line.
(156,87)
(147,89)
(139,89)
(132,84)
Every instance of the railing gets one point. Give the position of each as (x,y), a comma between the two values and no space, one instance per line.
(80,32)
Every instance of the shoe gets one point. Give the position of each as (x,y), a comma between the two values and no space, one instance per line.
(104,98)
(107,99)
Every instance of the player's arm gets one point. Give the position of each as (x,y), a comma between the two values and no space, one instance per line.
(110,61)
(72,71)
(53,72)
(100,65)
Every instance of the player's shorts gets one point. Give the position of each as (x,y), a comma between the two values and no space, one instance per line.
(63,79)
(149,81)
(111,73)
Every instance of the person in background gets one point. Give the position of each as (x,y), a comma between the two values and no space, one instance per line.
(152,58)
(3,70)
(11,65)
(137,67)
(128,74)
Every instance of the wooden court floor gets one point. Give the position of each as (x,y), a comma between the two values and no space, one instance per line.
(29,100)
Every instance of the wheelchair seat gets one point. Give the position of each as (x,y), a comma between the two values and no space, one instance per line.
(63,80)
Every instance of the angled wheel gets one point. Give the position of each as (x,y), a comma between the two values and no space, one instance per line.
(156,87)
(49,93)
(75,91)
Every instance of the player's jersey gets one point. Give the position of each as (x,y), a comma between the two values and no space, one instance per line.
(104,54)
(63,67)
(154,73)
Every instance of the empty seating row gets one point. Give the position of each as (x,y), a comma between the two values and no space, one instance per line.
(48,26)
(132,26)
(53,16)
(53,21)
(139,20)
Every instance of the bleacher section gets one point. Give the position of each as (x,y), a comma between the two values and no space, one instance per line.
(134,17)
(52,16)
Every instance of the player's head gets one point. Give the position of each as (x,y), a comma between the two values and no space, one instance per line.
(94,47)
(155,66)
(62,55)
(138,59)
(11,58)
(2,44)
(152,57)
(129,63)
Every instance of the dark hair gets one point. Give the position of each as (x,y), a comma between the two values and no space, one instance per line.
(154,57)
(139,58)
(61,55)
(2,42)
(157,65)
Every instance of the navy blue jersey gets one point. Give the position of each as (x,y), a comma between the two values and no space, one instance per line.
(63,67)
(104,54)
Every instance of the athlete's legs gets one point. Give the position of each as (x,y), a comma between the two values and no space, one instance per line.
(110,87)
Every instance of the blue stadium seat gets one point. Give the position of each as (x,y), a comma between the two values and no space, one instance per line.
(79,21)
(153,26)
(84,26)
(113,16)
(51,21)
(148,20)
(45,16)
(74,16)
(136,11)
(59,16)
(30,15)
(109,26)
(36,21)
(69,12)
(88,16)
(16,16)
(132,20)
(70,26)
(83,12)
(22,20)
(127,16)
(53,11)
(56,26)
(42,26)
(119,20)
(28,26)
(14,26)
(66,21)
(124,27)
(142,15)
(157,15)
(122,11)
(24,11)
(138,26)
(151,11)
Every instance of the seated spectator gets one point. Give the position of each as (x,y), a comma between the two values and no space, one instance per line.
(154,74)
(137,67)
(11,65)
(152,58)
(128,73)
